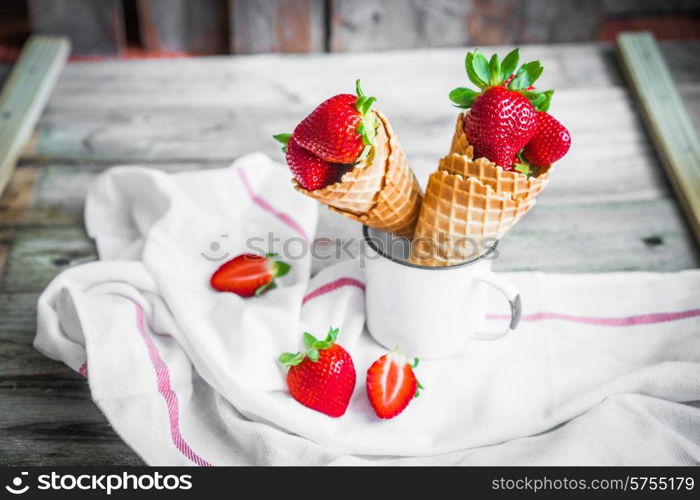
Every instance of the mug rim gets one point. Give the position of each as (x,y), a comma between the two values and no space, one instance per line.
(368,240)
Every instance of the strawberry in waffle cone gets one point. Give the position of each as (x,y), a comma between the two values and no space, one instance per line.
(500,160)
(366,175)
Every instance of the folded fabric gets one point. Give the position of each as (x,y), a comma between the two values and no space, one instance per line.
(187,375)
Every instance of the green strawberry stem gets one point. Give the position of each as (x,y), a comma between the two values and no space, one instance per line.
(486,73)
(283,139)
(313,346)
(368,126)
(524,167)
(278,269)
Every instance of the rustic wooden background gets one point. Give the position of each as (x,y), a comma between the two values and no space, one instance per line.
(162,27)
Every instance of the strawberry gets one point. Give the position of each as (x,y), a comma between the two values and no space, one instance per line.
(499,124)
(391,384)
(248,274)
(323,378)
(502,116)
(341,129)
(550,142)
(311,171)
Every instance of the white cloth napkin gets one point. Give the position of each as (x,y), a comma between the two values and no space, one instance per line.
(603,370)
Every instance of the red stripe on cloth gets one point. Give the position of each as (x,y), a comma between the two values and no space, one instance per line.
(166,390)
(641,319)
(263,204)
(333,285)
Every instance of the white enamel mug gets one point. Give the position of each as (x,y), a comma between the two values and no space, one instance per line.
(429,312)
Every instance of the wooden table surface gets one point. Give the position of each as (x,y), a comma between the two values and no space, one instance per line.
(607,208)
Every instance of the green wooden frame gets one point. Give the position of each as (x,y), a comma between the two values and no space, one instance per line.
(666,117)
(25,95)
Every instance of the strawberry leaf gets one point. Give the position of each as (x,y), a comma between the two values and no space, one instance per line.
(283,139)
(309,340)
(332,334)
(524,167)
(358,89)
(494,70)
(280,268)
(480,65)
(526,75)
(471,71)
(540,99)
(313,355)
(509,64)
(463,97)
(291,359)
(419,387)
(364,153)
(264,288)
(365,105)
(368,130)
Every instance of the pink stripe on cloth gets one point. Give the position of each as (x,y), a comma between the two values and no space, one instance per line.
(333,285)
(83,370)
(641,319)
(166,390)
(285,218)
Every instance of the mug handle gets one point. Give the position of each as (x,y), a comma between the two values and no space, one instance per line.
(512,294)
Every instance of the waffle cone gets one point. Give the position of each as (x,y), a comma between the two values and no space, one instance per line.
(381,191)
(470,204)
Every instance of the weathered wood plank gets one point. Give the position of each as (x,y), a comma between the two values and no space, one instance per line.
(6,237)
(665,114)
(56,443)
(38,254)
(48,417)
(541,21)
(225,133)
(389,24)
(24,96)
(277,26)
(93,26)
(621,7)
(183,26)
(223,108)
(17,200)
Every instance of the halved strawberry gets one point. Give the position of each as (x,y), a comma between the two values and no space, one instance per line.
(249,274)
(391,384)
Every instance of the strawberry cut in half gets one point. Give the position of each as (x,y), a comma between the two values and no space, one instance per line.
(341,129)
(248,274)
(308,169)
(502,112)
(391,384)
(323,377)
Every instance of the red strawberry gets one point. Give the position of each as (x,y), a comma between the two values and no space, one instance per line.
(311,171)
(249,274)
(391,384)
(323,378)
(341,129)
(550,142)
(502,118)
(499,124)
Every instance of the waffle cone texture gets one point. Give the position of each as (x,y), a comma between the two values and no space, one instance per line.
(381,191)
(469,205)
